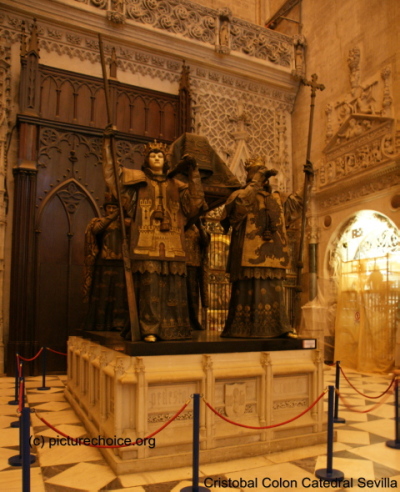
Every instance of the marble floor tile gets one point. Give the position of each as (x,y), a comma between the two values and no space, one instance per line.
(355,401)
(376,389)
(53,406)
(6,421)
(144,478)
(351,416)
(376,484)
(8,410)
(5,454)
(353,437)
(384,411)
(277,477)
(381,454)
(11,480)
(74,431)
(84,477)
(178,487)
(57,455)
(383,427)
(55,418)
(352,468)
(133,489)
(38,398)
(34,390)
(299,453)
(9,437)
(234,465)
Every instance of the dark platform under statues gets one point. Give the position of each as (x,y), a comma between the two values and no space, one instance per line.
(202,342)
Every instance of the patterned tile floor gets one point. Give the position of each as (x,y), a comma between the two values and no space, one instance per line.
(360,451)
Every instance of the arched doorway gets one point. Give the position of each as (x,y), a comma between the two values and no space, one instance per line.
(60,235)
(365,265)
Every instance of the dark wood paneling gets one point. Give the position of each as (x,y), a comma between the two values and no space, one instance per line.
(74,98)
(59,187)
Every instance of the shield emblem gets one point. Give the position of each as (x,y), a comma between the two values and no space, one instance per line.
(235,399)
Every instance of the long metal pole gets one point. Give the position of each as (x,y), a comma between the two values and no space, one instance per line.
(133,313)
(308,173)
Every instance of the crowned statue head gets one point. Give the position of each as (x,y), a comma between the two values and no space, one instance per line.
(255,164)
(156,157)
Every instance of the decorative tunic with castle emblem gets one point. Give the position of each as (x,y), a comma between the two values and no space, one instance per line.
(258,259)
(159,207)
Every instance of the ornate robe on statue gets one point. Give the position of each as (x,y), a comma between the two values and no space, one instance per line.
(104,287)
(157,246)
(258,258)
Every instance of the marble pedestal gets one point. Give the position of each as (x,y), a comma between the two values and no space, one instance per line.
(130,396)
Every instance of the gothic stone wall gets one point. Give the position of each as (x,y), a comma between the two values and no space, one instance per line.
(355,147)
(243,94)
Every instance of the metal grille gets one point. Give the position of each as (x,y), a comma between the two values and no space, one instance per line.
(219,288)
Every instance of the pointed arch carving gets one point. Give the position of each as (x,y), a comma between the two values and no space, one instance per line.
(72,191)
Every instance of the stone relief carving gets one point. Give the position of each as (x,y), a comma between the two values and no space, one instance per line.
(161,418)
(289,404)
(223,41)
(362,98)
(362,143)
(361,134)
(116,11)
(387,179)
(299,43)
(86,49)
(235,399)
(200,23)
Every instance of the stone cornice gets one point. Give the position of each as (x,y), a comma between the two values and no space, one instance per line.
(71,27)
(359,188)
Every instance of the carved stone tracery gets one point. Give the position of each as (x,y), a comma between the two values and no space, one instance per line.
(244,113)
(200,23)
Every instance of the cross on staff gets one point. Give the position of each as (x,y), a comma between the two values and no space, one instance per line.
(314,87)
(307,179)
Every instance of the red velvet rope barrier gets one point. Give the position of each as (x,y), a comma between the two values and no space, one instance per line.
(80,440)
(56,352)
(267,426)
(368,396)
(350,407)
(33,358)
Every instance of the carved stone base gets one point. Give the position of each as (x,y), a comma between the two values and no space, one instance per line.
(122,396)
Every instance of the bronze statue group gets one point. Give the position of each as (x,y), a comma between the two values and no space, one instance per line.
(167,245)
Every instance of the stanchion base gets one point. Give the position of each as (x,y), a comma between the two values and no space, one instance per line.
(44,388)
(17,460)
(13,402)
(190,488)
(393,444)
(15,424)
(339,420)
(329,475)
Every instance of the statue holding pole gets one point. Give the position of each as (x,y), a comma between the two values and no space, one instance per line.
(159,206)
